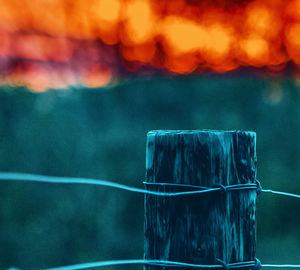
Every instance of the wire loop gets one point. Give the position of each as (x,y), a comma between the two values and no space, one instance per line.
(259,187)
(223,263)
(257,264)
(221,187)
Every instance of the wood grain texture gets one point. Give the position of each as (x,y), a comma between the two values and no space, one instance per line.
(202,227)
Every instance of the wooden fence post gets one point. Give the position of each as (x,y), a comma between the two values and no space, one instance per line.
(199,228)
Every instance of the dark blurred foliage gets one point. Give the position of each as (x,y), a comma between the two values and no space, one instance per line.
(101,133)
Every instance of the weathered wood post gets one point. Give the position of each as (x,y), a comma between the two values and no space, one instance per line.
(199,228)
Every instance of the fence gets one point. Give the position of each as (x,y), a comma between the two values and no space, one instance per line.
(219,166)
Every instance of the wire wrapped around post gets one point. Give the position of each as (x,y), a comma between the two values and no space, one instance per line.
(200,228)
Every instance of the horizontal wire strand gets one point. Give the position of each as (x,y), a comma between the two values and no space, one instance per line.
(88,181)
(281,193)
(281,265)
(73,180)
(5,176)
(167,263)
(151,262)
(124,262)
(228,187)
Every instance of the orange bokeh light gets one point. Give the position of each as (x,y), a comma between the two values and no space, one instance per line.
(139,22)
(42,48)
(218,40)
(256,50)
(108,10)
(95,75)
(292,35)
(181,36)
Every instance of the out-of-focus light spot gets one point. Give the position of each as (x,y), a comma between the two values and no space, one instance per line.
(293,41)
(42,48)
(143,53)
(139,22)
(5,45)
(218,40)
(292,9)
(274,94)
(182,64)
(259,20)
(45,16)
(262,20)
(183,36)
(108,10)
(256,49)
(6,22)
(95,75)
(293,34)
(33,76)
(105,17)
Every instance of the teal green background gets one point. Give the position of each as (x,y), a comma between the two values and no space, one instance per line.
(101,133)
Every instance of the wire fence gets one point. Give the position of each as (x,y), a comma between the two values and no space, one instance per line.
(256,264)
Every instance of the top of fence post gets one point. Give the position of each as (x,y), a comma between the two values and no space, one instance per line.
(200,228)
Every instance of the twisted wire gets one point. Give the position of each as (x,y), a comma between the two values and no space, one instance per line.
(239,265)
(6,176)
(10,176)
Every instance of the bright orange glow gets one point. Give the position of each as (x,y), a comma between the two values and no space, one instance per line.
(182,64)
(292,9)
(108,10)
(263,21)
(56,43)
(143,53)
(42,48)
(139,26)
(255,48)
(5,44)
(293,41)
(105,16)
(183,36)
(218,40)
(95,75)
(34,76)
(259,20)
(293,34)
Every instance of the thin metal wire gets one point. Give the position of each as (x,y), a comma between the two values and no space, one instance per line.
(151,262)
(228,188)
(168,263)
(73,180)
(281,193)
(281,265)
(4,176)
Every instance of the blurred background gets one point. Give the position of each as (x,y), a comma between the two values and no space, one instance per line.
(101,133)
(81,84)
